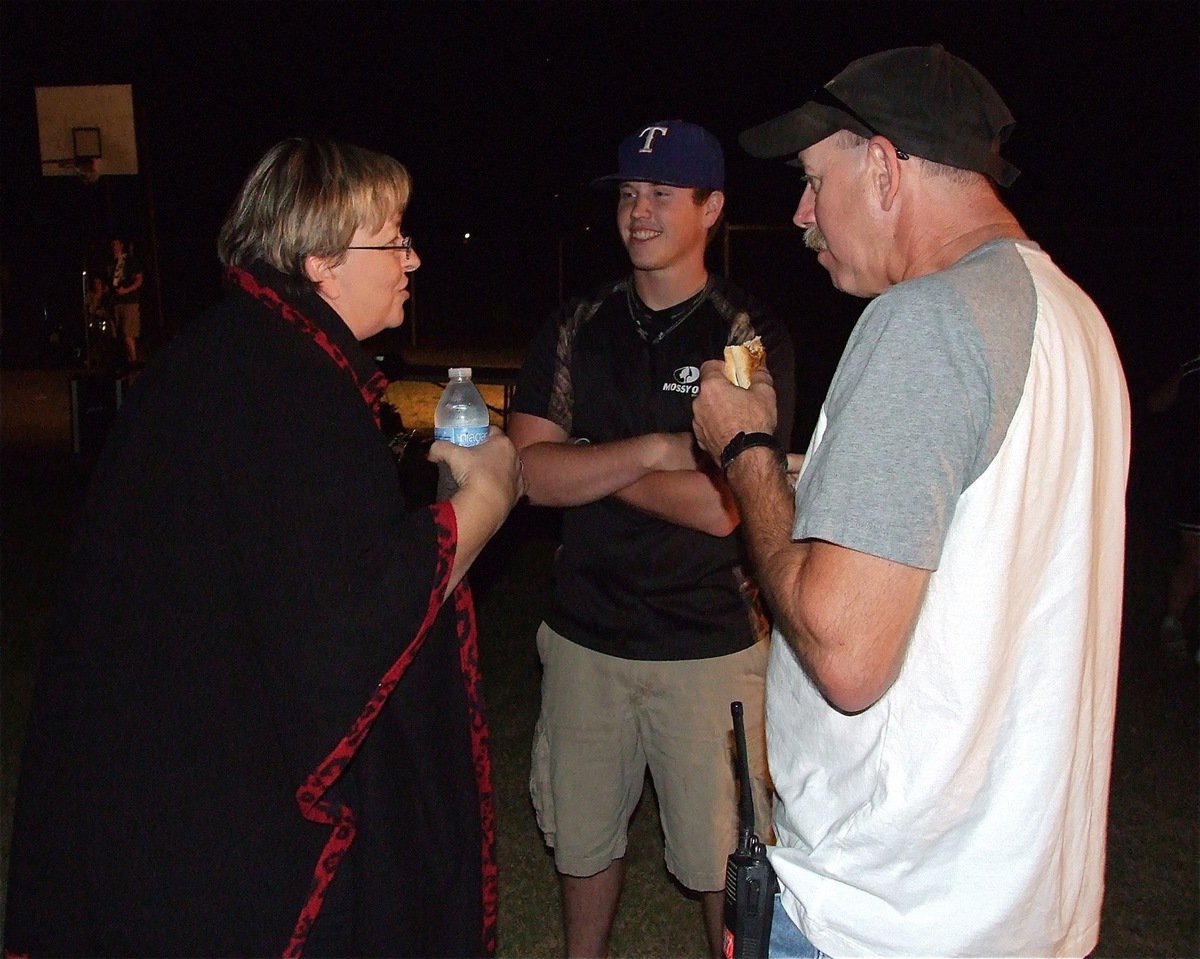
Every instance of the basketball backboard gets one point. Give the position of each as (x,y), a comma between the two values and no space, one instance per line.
(87,130)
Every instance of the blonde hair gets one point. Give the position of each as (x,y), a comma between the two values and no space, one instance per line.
(306,197)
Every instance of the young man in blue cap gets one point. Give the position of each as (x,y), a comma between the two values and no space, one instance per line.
(655,626)
(946,579)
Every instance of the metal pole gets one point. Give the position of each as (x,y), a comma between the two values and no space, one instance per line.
(87,326)
(145,164)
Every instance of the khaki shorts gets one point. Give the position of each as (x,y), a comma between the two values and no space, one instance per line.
(605,720)
(129,319)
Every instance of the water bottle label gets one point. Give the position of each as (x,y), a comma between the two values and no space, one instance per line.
(461,435)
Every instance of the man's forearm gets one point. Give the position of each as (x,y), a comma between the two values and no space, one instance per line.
(767,506)
(847,614)
(688,498)
(566,474)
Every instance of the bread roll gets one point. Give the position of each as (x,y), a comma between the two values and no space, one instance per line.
(741,360)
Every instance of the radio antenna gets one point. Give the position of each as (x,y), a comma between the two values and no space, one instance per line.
(746,799)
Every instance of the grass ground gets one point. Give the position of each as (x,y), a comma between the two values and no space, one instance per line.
(1151,906)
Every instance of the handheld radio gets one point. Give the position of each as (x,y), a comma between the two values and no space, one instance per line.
(749,879)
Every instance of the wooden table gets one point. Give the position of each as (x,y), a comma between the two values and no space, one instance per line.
(505,376)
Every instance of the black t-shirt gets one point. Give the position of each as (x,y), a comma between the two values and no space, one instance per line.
(629,584)
(121,272)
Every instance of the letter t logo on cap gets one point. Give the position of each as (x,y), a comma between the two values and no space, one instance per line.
(648,138)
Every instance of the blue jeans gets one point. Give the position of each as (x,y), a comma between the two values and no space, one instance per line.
(787,941)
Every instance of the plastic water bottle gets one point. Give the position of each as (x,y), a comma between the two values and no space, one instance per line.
(461,418)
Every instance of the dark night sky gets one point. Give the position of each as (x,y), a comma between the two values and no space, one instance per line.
(504,110)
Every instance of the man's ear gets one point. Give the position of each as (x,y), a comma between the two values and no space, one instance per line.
(320,270)
(713,207)
(885,170)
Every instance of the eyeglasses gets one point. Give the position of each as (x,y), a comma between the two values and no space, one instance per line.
(403,245)
(823,97)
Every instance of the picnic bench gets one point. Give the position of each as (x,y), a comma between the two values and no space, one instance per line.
(504,376)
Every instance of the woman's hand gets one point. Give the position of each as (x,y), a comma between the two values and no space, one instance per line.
(490,482)
(494,465)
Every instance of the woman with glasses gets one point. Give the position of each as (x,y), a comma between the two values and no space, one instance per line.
(258,727)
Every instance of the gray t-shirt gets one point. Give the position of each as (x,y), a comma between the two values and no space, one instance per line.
(919,405)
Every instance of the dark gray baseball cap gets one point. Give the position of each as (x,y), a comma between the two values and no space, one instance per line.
(928,102)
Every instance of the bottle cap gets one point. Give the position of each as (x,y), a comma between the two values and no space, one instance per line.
(460,371)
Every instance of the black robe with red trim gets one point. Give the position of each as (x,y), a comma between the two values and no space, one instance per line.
(254,705)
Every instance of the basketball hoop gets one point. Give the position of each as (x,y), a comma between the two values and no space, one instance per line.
(86,168)
(81,154)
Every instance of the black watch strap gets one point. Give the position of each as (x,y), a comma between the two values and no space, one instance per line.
(744,441)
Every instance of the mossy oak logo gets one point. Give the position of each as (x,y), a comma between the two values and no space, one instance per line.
(684,381)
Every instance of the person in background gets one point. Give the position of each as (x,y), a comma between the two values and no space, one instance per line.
(101,331)
(125,281)
(655,626)
(258,730)
(946,579)
(99,315)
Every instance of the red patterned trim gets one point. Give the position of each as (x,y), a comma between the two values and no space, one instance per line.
(464,608)
(468,656)
(311,796)
(372,390)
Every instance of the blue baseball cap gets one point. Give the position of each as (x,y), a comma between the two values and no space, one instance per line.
(671,152)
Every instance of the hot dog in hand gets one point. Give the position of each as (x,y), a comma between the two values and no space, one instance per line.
(742,360)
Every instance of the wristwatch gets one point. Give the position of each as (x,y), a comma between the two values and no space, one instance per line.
(743,441)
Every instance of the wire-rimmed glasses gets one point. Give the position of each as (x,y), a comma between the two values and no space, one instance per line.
(402,245)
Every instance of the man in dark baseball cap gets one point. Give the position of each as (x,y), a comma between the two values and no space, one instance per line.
(928,102)
(654,628)
(946,577)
